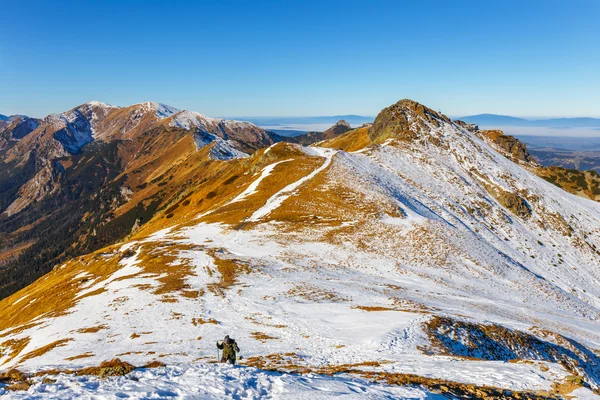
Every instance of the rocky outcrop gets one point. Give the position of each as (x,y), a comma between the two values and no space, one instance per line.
(509,146)
(400,121)
(470,127)
(339,128)
(514,203)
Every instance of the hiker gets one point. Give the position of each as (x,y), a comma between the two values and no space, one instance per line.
(230,349)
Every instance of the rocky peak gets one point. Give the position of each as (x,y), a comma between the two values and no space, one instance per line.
(338,128)
(397,121)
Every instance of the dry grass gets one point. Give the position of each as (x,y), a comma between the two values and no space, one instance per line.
(263,337)
(80,356)
(12,375)
(114,367)
(58,289)
(14,346)
(92,329)
(571,383)
(155,364)
(353,140)
(45,349)
(374,308)
(19,386)
(202,321)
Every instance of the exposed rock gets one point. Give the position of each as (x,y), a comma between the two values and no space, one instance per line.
(470,127)
(400,121)
(508,145)
(339,128)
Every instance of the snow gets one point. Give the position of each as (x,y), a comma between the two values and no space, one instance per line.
(95,103)
(278,198)
(161,110)
(419,235)
(225,150)
(189,120)
(250,190)
(215,381)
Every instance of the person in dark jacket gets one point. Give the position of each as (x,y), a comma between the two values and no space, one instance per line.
(230,350)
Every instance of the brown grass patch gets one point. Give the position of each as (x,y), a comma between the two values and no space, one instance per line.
(19,386)
(92,329)
(155,364)
(58,289)
(353,140)
(263,337)
(84,355)
(114,367)
(571,383)
(16,346)
(202,321)
(45,349)
(12,375)
(374,308)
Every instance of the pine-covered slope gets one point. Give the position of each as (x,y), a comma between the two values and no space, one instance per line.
(415,254)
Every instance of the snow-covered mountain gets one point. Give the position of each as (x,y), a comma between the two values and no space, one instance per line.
(411,253)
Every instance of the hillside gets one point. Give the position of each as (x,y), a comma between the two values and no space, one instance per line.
(82,179)
(579,182)
(410,253)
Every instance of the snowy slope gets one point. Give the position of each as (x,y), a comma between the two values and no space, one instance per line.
(321,258)
(216,382)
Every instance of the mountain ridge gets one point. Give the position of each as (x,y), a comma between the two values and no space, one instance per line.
(506,120)
(412,246)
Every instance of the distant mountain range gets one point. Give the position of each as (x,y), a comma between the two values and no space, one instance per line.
(331,119)
(506,120)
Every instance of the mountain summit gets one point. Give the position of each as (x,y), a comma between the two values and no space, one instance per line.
(410,252)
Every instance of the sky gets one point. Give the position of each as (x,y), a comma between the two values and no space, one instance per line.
(302,58)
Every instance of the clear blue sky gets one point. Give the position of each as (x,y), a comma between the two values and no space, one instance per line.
(288,58)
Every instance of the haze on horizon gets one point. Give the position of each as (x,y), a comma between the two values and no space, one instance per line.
(303,58)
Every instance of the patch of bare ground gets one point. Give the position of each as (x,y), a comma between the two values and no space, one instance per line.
(229,268)
(202,321)
(171,270)
(114,367)
(262,337)
(315,294)
(154,364)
